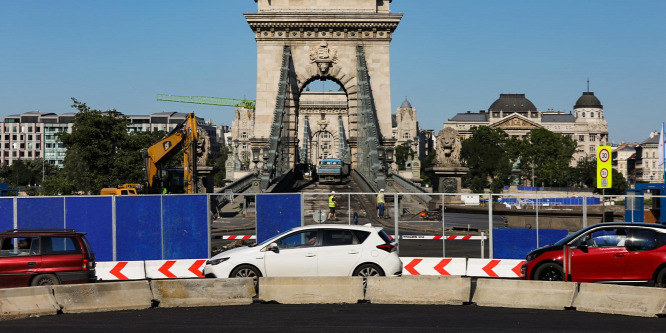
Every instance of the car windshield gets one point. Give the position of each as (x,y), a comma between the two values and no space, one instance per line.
(568,238)
(272,239)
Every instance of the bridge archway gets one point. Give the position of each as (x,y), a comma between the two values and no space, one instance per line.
(322,37)
(325,113)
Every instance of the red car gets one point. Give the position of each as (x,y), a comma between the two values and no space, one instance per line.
(610,252)
(37,257)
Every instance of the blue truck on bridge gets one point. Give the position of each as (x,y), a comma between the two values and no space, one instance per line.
(330,170)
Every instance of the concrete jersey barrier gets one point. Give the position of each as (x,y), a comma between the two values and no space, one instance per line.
(524,294)
(202,292)
(25,302)
(450,290)
(99,297)
(625,300)
(311,290)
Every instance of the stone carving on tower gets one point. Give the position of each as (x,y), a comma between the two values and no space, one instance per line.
(323,57)
(448,148)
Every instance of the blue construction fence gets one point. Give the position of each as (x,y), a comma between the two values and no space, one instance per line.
(569,201)
(120,228)
(516,243)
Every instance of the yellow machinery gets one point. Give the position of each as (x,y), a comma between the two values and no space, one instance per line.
(124,189)
(184,137)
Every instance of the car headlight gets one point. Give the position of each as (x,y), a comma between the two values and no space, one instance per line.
(216,261)
(531,256)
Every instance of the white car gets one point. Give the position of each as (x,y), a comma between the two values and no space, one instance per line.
(316,250)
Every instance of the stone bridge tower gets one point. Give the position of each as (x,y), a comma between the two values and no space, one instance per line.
(322,36)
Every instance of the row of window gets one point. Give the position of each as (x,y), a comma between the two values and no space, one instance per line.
(647,154)
(20,153)
(593,138)
(37,129)
(394,135)
(17,145)
(31,145)
(30,137)
(592,114)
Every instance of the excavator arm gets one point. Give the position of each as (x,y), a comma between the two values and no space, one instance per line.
(184,137)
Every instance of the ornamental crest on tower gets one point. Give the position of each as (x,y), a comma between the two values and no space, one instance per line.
(323,57)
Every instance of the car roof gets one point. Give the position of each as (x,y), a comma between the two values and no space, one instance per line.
(31,232)
(630,224)
(366,227)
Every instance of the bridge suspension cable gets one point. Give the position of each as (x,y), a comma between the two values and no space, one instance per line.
(371,161)
(276,159)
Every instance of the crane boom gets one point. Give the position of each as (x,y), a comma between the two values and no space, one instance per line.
(182,138)
(245,103)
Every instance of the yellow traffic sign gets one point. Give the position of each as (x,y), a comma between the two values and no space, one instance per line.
(604,167)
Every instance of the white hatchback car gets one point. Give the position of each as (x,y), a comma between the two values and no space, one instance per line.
(315,250)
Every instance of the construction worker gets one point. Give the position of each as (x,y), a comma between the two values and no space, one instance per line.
(380,204)
(332,202)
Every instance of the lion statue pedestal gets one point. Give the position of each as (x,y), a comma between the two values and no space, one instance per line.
(448,171)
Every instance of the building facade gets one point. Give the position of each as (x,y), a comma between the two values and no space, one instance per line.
(648,169)
(32,135)
(517,116)
(624,161)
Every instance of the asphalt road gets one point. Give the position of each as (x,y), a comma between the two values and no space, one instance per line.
(337,318)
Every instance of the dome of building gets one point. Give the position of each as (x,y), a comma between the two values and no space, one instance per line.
(512,103)
(588,100)
(406,104)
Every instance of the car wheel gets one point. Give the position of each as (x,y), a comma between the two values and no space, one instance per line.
(549,272)
(45,280)
(247,271)
(366,270)
(661,279)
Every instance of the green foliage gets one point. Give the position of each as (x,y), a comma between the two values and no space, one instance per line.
(428,162)
(550,154)
(26,173)
(220,165)
(488,154)
(402,154)
(100,152)
(585,174)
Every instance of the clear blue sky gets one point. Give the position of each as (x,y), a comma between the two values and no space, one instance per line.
(446,56)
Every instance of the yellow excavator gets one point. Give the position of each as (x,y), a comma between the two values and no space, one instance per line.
(183,137)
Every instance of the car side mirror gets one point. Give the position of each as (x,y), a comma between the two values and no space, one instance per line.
(583,247)
(272,247)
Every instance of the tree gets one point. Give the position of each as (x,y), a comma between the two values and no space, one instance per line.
(585,173)
(428,162)
(488,154)
(100,152)
(221,175)
(549,154)
(402,154)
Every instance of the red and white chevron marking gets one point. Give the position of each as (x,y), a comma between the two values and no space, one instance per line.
(235,237)
(433,266)
(173,269)
(504,268)
(120,270)
(440,237)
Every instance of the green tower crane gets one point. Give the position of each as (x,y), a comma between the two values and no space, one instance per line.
(245,103)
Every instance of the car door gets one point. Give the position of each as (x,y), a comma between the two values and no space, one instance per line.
(600,255)
(339,253)
(296,255)
(62,255)
(642,260)
(18,263)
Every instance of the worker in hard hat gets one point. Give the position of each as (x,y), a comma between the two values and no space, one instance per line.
(332,203)
(380,204)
